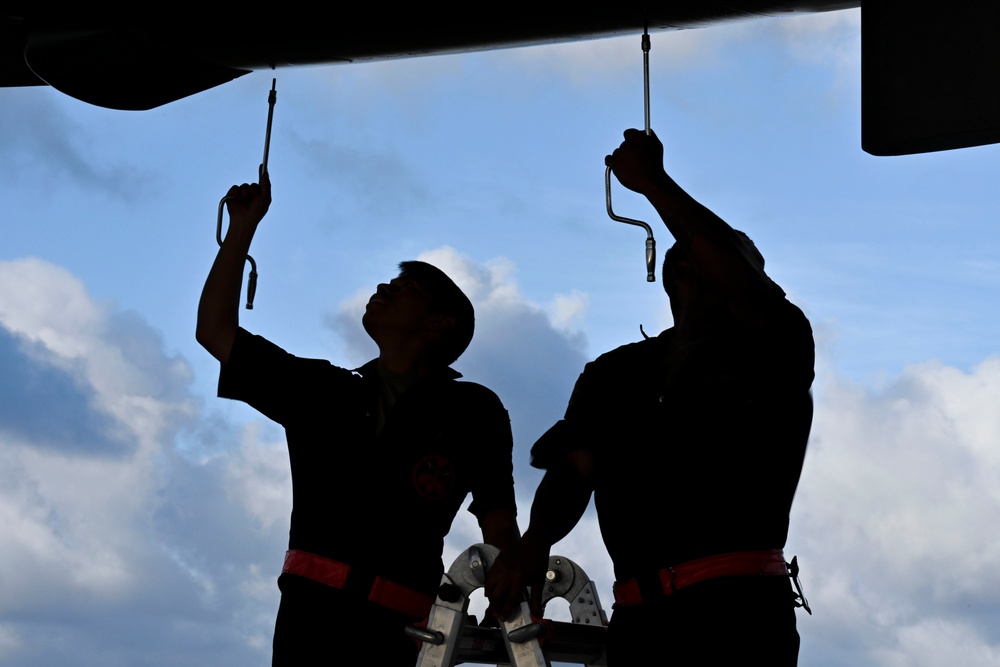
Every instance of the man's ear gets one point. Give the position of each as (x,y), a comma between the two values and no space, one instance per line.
(440,322)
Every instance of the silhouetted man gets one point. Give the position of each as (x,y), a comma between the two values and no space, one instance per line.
(692,443)
(381,457)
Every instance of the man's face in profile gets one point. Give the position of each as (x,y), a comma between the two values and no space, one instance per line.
(401,305)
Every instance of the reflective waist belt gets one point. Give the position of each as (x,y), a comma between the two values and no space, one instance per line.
(739,563)
(334,573)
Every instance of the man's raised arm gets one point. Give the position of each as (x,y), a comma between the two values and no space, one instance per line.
(701,235)
(219,308)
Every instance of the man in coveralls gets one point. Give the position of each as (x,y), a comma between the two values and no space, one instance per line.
(381,457)
(692,443)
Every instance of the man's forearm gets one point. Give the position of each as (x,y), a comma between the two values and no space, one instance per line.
(685,217)
(219,308)
(499,528)
(560,501)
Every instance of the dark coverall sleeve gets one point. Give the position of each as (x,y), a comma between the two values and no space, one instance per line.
(493,485)
(270,380)
(579,428)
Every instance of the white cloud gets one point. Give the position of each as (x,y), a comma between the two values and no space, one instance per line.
(119,357)
(47,304)
(568,310)
(896,511)
(71,520)
(92,534)
(935,641)
(259,479)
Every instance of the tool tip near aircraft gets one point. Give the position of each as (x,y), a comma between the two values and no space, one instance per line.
(929,70)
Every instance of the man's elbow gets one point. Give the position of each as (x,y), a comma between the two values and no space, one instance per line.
(218,342)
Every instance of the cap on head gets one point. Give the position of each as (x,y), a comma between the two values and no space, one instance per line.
(447,299)
(675,255)
(750,252)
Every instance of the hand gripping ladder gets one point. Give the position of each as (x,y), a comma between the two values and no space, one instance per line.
(449,638)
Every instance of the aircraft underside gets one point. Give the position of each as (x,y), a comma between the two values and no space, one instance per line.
(929,70)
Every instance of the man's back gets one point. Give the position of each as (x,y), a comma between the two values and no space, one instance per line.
(691,444)
(697,447)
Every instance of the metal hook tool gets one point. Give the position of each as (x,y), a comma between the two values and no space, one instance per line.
(650,241)
(252,279)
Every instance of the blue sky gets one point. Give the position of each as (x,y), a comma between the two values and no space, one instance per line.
(145,520)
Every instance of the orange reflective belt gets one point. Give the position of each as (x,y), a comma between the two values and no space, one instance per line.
(739,563)
(334,573)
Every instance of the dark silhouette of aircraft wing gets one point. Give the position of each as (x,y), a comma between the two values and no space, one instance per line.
(929,70)
(138,59)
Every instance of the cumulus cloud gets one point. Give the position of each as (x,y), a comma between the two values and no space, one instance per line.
(568,310)
(70,419)
(114,546)
(896,516)
(258,478)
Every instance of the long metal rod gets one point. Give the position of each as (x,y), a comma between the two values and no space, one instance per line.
(272,97)
(645,76)
(252,278)
(650,241)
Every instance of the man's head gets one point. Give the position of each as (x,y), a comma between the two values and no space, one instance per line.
(423,300)
(682,281)
(445,299)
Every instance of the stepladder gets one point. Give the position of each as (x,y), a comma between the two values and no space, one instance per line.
(453,636)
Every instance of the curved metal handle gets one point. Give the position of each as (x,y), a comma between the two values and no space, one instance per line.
(252,278)
(650,241)
(251,283)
